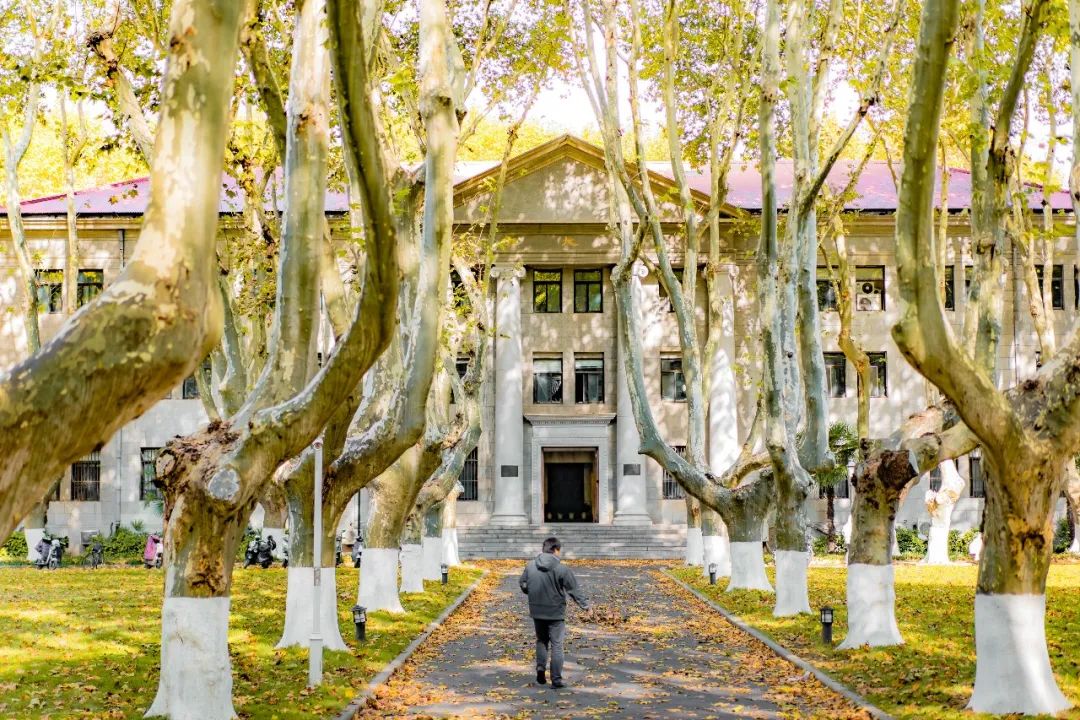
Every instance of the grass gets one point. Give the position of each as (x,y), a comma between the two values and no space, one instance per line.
(80,643)
(931,675)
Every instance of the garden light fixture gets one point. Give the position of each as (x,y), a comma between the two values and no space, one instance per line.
(359,616)
(826,625)
(712,573)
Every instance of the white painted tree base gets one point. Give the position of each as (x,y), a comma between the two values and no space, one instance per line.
(1012,666)
(412,572)
(1075,547)
(792,593)
(715,550)
(871,603)
(279,537)
(695,551)
(450,554)
(379,581)
(196,678)
(432,558)
(298,603)
(33,537)
(748,567)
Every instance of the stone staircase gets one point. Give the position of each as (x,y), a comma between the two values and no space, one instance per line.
(579,540)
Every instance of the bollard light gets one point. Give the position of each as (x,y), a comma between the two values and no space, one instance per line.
(712,573)
(359,616)
(826,625)
(445,570)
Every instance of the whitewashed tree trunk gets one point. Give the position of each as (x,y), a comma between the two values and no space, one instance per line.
(33,537)
(378,588)
(299,600)
(715,546)
(196,678)
(431,545)
(695,548)
(450,554)
(412,568)
(871,601)
(792,593)
(940,505)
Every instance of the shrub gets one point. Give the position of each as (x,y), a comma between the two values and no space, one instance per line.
(1063,537)
(959,541)
(126,544)
(15,547)
(909,541)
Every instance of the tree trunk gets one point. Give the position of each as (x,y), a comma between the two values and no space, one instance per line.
(940,505)
(830,519)
(432,543)
(716,548)
(1072,497)
(449,534)
(695,548)
(746,530)
(412,556)
(1012,670)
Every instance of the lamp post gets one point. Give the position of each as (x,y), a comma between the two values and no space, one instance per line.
(316,644)
(359,616)
(445,570)
(826,625)
(712,573)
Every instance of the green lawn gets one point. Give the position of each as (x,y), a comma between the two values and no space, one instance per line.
(930,676)
(80,643)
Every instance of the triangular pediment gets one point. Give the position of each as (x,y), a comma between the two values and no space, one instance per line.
(563,181)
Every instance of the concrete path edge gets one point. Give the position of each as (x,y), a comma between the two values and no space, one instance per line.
(384,675)
(827,680)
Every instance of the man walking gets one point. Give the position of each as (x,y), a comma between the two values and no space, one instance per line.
(547,582)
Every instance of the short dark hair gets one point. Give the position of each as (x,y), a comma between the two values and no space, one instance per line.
(552,544)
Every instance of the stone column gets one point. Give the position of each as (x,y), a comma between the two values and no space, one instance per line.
(509,451)
(723,422)
(631,485)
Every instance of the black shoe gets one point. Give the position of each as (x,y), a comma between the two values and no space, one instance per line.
(557,684)
(540,679)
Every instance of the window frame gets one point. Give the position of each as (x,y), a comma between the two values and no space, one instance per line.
(148,491)
(670,489)
(830,291)
(950,288)
(976,477)
(1057,285)
(50,291)
(678,379)
(588,284)
(880,359)
(536,375)
(828,366)
(470,477)
(86,478)
(84,286)
(858,287)
(547,285)
(581,378)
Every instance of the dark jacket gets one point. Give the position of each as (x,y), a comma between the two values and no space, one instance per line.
(547,582)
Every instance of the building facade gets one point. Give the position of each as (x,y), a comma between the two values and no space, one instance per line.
(559,441)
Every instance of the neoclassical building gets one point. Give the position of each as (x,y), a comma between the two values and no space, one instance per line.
(559,442)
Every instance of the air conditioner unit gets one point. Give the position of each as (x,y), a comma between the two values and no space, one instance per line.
(868,298)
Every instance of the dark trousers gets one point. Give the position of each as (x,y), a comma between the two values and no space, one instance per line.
(550,632)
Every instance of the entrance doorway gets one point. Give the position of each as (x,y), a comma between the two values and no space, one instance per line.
(570,486)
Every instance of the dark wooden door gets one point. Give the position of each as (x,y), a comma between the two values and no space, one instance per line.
(566,493)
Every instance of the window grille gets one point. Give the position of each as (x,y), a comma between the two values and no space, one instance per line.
(469,477)
(86,478)
(672,489)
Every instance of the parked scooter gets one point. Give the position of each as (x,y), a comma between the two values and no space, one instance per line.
(50,552)
(97,553)
(265,555)
(337,550)
(358,551)
(154,552)
(251,554)
(285,556)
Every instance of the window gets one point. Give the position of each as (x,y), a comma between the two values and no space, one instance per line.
(672,489)
(461,364)
(950,288)
(547,380)
(50,290)
(663,291)
(1057,291)
(977,486)
(468,477)
(969,275)
(190,391)
(547,291)
(147,489)
(935,479)
(89,286)
(879,375)
(588,291)
(1076,286)
(870,288)
(458,292)
(672,382)
(840,488)
(589,380)
(826,291)
(836,374)
(86,478)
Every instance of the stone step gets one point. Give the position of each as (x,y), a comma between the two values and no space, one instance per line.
(580,540)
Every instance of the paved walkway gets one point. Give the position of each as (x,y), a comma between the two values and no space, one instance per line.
(671,658)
